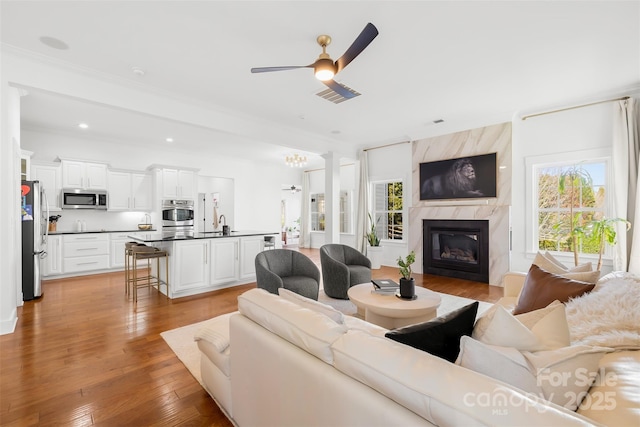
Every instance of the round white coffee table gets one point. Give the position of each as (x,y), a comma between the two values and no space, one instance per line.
(391,312)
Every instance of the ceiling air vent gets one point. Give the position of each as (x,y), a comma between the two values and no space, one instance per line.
(335,97)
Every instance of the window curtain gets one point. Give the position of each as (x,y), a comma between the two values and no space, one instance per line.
(305,236)
(626,155)
(363,203)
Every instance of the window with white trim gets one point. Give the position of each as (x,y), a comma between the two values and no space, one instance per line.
(318,212)
(388,209)
(568,195)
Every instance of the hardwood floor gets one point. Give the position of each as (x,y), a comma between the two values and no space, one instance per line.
(84,354)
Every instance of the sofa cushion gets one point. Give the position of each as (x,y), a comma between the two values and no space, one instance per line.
(353,323)
(613,398)
(543,329)
(441,392)
(541,288)
(311,331)
(551,264)
(305,302)
(440,336)
(562,376)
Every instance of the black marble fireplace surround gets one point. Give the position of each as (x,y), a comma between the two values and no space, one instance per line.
(456,248)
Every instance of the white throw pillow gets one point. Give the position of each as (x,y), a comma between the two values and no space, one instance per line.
(305,302)
(543,329)
(551,264)
(562,376)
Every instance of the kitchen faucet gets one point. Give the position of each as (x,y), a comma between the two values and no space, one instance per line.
(225,227)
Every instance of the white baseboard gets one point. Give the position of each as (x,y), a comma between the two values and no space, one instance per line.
(8,326)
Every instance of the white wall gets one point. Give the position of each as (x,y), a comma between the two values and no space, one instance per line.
(393,163)
(348,182)
(573,130)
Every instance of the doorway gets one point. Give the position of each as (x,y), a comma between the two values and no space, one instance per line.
(291,211)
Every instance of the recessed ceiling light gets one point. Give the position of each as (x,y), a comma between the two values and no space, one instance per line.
(169,139)
(54,43)
(83,126)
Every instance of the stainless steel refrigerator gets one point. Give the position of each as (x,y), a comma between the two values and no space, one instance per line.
(35,218)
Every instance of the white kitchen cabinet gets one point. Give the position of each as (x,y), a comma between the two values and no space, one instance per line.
(116,247)
(53,260)
(190,265)
(178,183)
(225,254)
(141,192)
(85,175)
(84,252)
(249,248)
(50,177)
(119,190)
(129,191)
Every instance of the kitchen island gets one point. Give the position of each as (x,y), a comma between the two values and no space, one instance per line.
(203,262)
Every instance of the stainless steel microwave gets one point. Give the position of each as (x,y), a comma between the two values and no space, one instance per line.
(75,198)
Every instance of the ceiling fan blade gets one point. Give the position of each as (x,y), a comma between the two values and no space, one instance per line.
(367,35)
(339,89)
(269,69)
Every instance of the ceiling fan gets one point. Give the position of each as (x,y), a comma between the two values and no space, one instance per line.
(293,189)
(324,67)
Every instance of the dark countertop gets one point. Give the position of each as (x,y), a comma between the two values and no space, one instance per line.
(170,237)
(135,230)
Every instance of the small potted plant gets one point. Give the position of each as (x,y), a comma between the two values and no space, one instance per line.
(374,251)
(407,283)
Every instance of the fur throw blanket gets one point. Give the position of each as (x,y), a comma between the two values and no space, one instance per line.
(608,316)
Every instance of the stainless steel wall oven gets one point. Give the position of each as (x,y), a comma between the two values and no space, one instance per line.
(178,216)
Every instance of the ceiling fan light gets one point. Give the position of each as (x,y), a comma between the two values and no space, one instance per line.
(324,69)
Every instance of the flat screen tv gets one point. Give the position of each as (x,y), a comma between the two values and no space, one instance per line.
(471,177)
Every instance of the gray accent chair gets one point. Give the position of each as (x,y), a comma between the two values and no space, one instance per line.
(292,270)
(343,267)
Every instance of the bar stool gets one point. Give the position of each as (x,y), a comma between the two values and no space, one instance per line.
(142,252)
(128,257)
(269,242)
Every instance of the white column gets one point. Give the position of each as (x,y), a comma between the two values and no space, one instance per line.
(331,198)
(10,226)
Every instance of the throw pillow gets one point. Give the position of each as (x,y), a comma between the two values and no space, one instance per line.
(440,336)
(562,376)
(541,288)
(528,319)
(316,306)
(544,329)
(550,263)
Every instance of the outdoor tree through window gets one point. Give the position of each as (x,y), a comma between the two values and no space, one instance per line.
(569,197)
(387,209)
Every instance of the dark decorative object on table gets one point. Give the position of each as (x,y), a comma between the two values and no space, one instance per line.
(407,284)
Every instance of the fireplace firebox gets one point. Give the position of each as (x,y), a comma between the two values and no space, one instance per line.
(456,248)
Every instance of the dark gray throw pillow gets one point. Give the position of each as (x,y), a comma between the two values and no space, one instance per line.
(440,336)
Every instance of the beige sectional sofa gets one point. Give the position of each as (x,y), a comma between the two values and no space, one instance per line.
(282,362)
